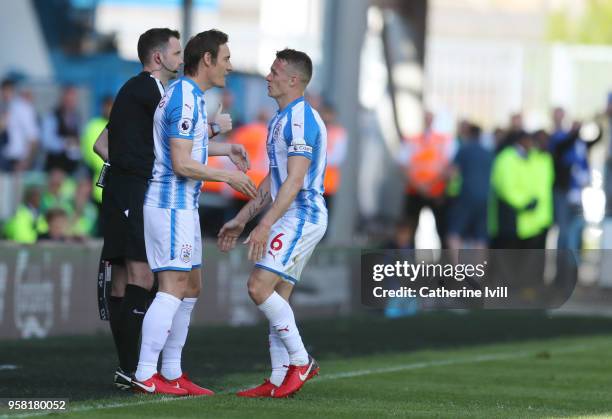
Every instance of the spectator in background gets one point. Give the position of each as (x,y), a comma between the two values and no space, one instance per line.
(337,140)
(605,122)
(84,217)
(92,130)
(21,130)
(516,123)
(59,192)
(499,139)
(506,138)
(544,177)
(57,220)
(512,218)
(572,175)
(468,212)
(401,240)
(24,226)
(425,159)
(61,133)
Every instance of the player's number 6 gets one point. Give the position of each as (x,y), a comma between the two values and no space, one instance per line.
(276,244)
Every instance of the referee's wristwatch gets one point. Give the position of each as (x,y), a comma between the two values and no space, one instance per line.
(215,128)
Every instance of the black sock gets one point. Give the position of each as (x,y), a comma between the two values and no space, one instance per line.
(114,311)
(132,314)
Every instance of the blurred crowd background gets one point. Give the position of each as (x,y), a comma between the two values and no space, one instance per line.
(455,124)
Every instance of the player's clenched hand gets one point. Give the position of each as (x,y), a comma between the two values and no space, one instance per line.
(229,233)
(257,241)
(223,119)
(243,184)
(239,157)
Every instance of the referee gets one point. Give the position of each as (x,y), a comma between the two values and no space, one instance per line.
(127,144)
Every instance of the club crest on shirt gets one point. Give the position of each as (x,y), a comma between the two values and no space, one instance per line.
(185,126)
(186,253)
(276,132)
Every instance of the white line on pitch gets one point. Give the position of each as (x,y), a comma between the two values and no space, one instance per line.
(336,376)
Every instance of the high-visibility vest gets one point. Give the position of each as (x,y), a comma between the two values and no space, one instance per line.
(514,185)
(335,135)
(428,161)
(253,137)
(24,226)
(92,130)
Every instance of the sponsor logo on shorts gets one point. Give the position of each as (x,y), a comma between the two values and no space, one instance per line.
(186,253)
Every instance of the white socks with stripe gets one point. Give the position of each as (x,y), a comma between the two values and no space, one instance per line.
(279,357)
(279,313)
(155,330)
(171,354)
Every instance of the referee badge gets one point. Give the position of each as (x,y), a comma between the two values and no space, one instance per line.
(185,126)
(186,253)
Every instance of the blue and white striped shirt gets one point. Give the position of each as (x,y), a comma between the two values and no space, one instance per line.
(298,130)
(181,113)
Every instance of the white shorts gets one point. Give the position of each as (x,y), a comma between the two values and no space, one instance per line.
(172,239)
(290,246)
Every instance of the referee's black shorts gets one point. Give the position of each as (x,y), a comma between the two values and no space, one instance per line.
(123,223)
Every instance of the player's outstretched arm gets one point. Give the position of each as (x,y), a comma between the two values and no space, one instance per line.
(184,165)
(100,147)
(236,153)
(231,230)
(297,166)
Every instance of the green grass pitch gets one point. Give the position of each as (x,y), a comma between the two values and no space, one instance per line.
(442,365)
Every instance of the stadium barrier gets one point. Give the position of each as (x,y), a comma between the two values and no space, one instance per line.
(50,289)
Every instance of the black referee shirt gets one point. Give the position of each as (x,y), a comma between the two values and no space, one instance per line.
(130,126)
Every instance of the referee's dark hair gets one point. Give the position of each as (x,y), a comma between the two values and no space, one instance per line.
(200,44)
(298,60)
(153,39)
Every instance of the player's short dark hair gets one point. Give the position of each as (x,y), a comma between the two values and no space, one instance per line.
(200,44)
(153,39)
(298,60)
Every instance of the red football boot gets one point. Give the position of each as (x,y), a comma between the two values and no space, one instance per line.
(296,376)
(157,385)
(192,388)
(262,390)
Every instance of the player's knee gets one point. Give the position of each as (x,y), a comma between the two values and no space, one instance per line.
(193,289)
(257,290)
(142,278)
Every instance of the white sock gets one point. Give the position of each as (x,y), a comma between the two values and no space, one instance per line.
(155,329)
(279,357)
(279,313)
(171,354)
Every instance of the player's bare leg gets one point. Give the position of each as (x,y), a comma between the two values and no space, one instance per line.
(171,354)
